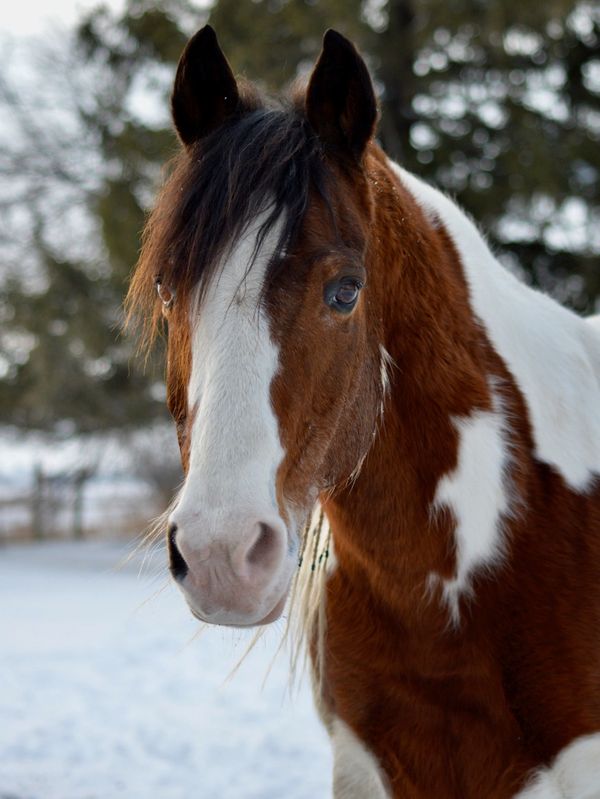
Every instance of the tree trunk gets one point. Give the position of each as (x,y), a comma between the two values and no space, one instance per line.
(397,53)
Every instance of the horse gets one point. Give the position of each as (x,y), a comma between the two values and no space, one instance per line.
(341,337)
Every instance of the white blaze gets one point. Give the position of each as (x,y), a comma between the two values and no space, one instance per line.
(235,446)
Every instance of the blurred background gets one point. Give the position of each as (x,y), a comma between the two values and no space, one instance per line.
(496,102)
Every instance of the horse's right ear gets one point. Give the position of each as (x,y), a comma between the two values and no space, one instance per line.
(205,91)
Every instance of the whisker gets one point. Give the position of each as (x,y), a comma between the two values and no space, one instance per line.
(195,636)
(150,598)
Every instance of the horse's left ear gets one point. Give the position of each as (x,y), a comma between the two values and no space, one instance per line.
(205,91)
(340,100)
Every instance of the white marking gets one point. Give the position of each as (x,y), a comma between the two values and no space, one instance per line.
(591,339)
(477,493)
(386,365)
(575,774)
(594,320)
(235,446)
(356,773)
(553,354)
(235,432)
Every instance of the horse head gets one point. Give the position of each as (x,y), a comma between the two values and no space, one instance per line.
(259,249)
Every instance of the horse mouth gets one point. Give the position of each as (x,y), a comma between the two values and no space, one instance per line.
(219,621)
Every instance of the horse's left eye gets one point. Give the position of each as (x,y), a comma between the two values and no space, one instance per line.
(167,296)
(343,295)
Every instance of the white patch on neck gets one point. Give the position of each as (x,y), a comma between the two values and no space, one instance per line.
(235,446)
(478,494)
(553,354)
(575,774)
(356,773)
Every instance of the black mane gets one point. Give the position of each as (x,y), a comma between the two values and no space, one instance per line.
(223,182)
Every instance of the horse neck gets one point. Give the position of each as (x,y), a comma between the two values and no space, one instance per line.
(384,530)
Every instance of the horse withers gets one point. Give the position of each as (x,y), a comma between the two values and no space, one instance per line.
(340,335)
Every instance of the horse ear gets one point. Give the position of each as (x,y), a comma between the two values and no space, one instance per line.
(205,92)
(340,100)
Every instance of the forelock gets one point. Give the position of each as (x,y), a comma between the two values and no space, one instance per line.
(268,159)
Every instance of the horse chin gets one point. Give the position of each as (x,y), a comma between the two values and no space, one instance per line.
(228,618)
(275,613)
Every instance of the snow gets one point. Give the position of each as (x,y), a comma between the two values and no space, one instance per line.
(107,692)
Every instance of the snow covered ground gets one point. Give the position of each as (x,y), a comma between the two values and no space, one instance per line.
(104,695)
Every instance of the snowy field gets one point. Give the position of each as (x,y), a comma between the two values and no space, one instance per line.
(104,694)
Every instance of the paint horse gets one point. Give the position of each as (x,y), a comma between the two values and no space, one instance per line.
(340,333)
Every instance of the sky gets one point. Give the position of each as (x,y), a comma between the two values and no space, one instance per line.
(31,17)
(23,18)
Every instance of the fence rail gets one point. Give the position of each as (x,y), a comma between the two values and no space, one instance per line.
(76,504)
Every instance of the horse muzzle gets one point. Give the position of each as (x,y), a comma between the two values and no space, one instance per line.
(240,580)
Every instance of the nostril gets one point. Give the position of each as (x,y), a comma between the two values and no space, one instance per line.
(177,564)
(264,550)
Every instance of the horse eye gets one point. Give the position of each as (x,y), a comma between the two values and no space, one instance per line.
(343,295)
(167,296)
(347,294)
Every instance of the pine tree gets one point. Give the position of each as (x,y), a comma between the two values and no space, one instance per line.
(67,365)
